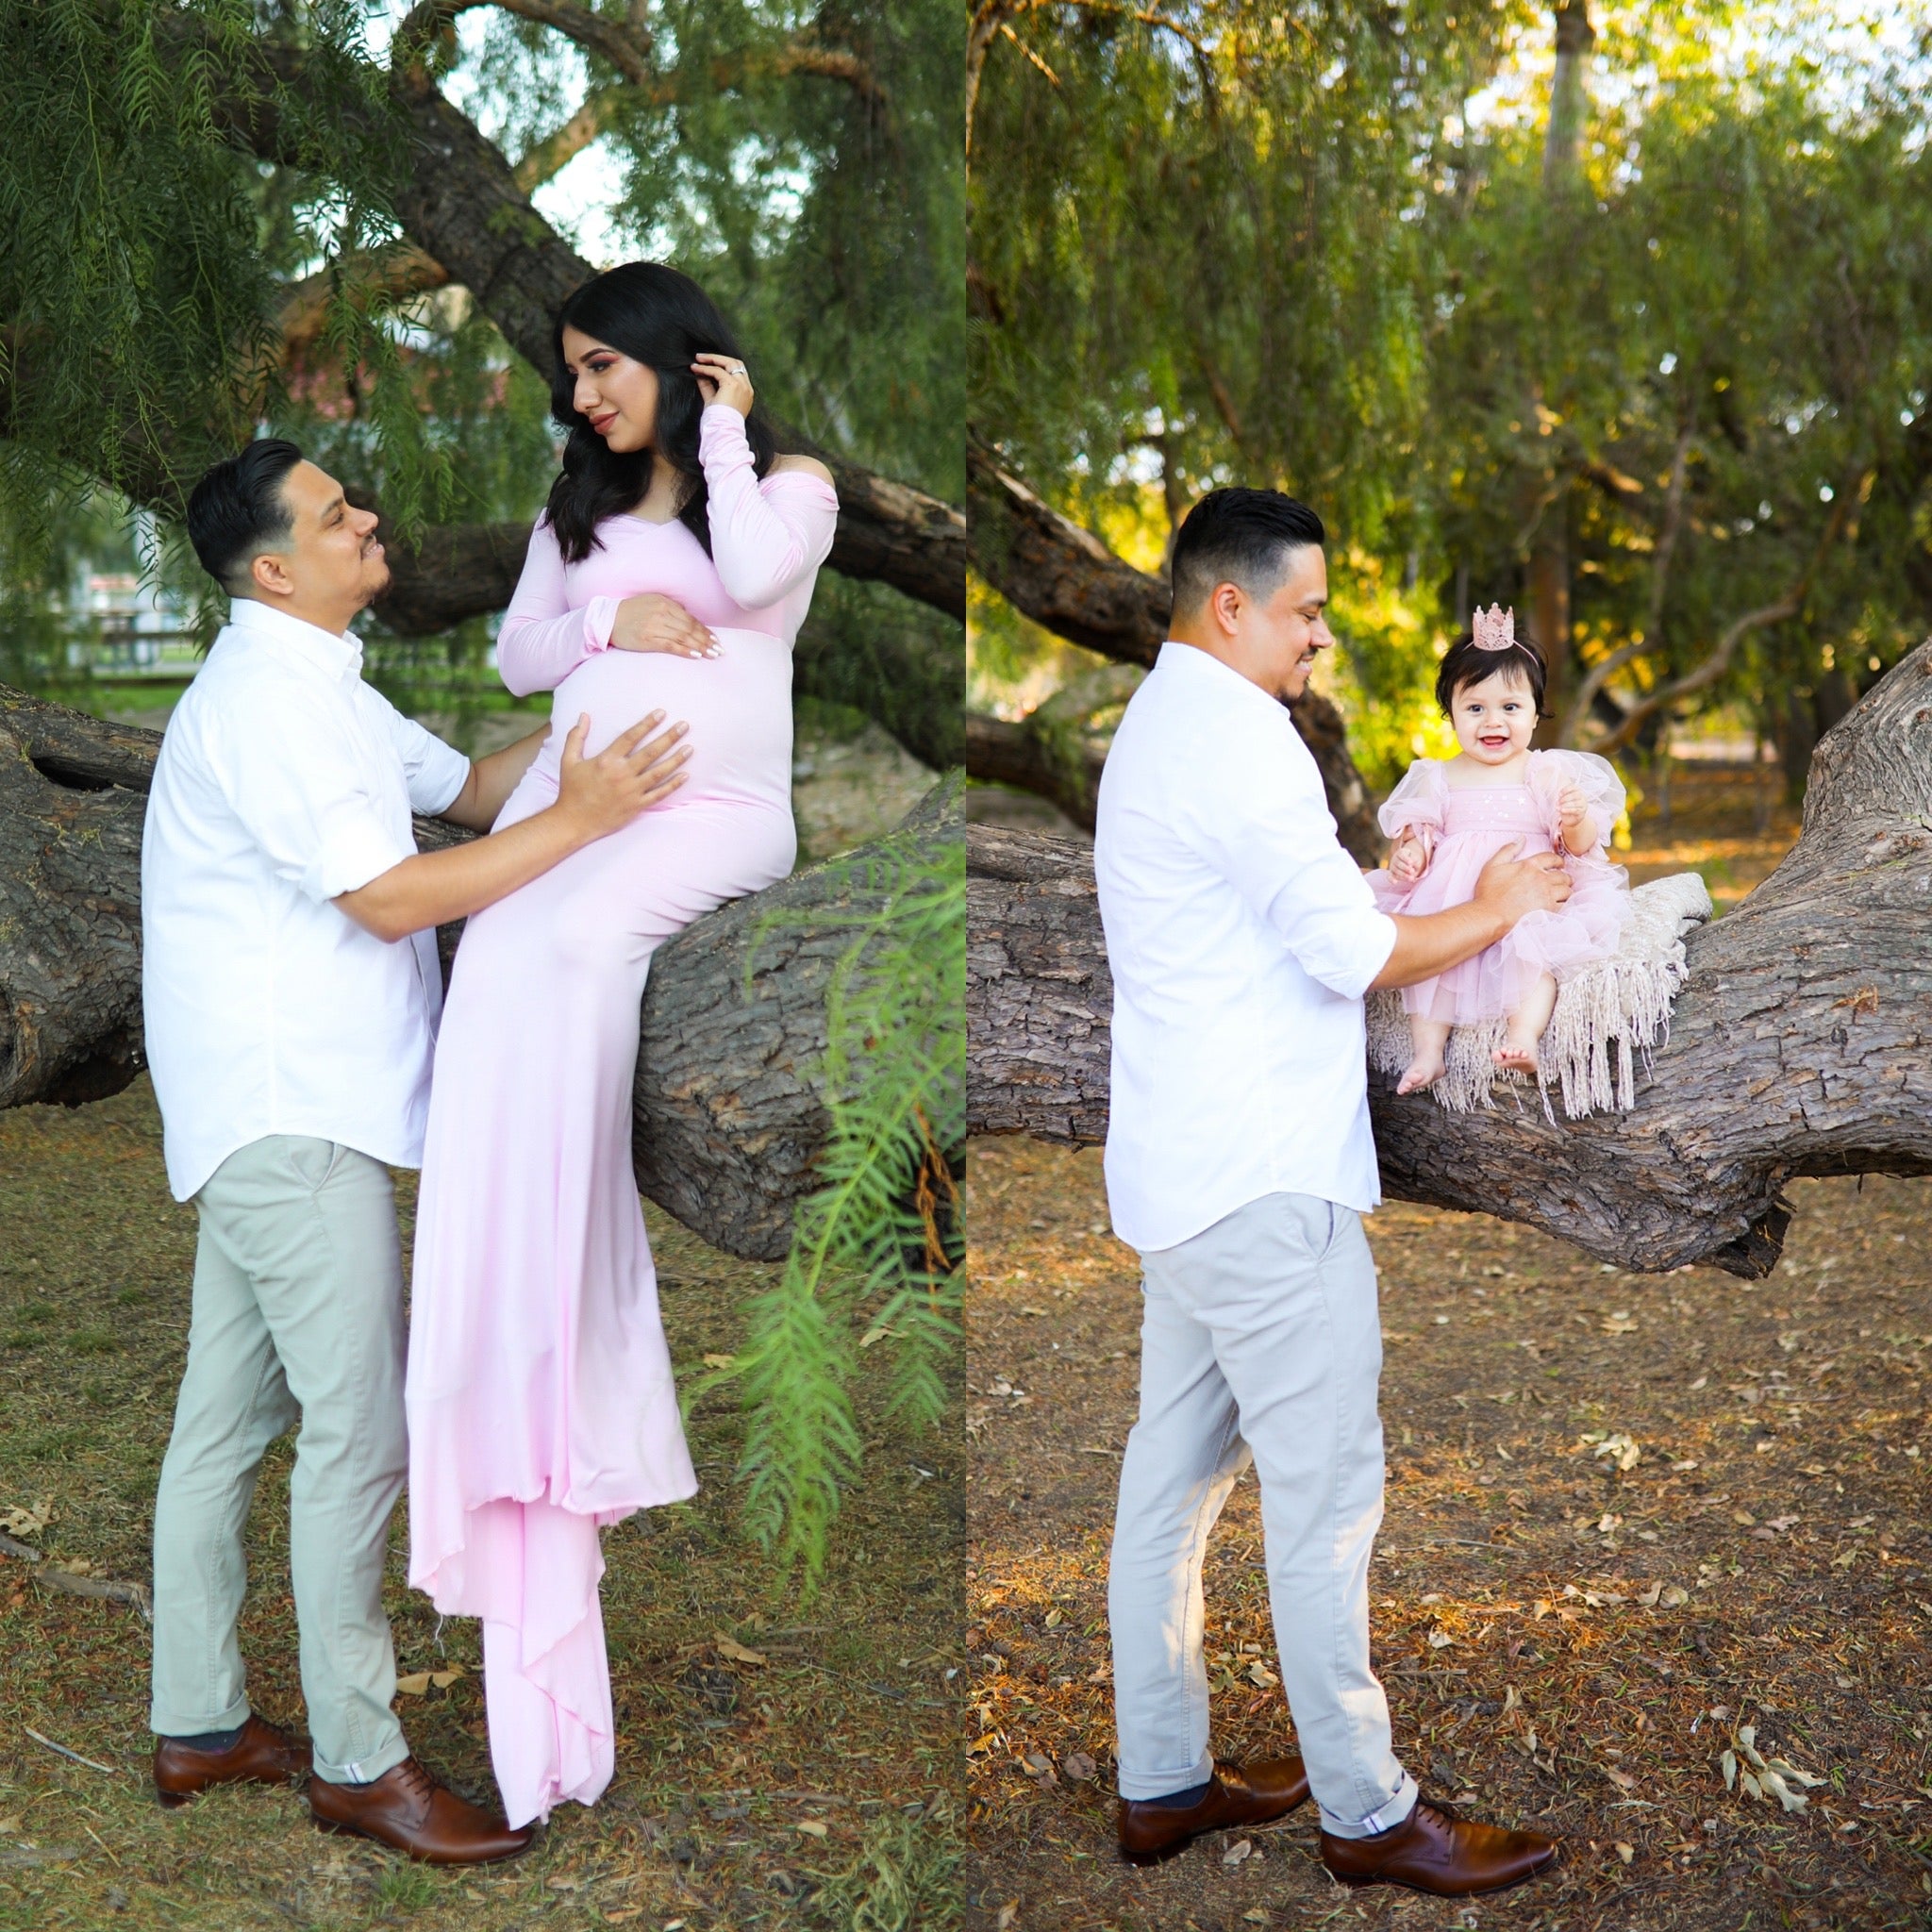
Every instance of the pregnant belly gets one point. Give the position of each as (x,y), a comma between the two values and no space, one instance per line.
(737,706)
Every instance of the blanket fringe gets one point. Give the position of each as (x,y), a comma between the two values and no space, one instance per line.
(1608,1017)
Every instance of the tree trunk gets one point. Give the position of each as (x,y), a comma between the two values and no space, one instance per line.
(1065,578)
(1802,1043)
(1548,576)
(728,1122)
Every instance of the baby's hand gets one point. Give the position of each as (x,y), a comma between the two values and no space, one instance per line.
(1409,860)
(1574,810)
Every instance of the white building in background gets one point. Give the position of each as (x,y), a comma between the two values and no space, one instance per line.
(142,631)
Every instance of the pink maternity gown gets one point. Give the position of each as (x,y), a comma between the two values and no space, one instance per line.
(539,1393)
(1463,827)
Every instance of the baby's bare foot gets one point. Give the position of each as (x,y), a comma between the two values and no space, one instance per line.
(1424,1070)
(1516,1055)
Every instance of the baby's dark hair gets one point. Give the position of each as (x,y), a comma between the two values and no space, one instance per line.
(1466,663)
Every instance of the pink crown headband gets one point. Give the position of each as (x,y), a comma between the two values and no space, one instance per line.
(1495,629)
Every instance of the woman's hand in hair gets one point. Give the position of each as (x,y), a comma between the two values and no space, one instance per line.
(722,380)
(651,623)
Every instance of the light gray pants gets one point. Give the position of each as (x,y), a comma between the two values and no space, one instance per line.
(298,1314)
(1261,1340)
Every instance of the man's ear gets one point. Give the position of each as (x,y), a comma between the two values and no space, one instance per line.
(1225,604)
(269,573)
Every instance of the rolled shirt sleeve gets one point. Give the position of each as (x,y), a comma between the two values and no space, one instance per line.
(314,817)
(436,772)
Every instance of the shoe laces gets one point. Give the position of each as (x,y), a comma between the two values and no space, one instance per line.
(416,1780)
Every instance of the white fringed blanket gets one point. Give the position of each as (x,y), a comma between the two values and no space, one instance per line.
(1624,1003)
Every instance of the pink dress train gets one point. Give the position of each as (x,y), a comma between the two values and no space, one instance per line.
(540,1394)
(1463,827)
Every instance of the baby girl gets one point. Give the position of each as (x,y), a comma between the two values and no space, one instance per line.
(1449,816)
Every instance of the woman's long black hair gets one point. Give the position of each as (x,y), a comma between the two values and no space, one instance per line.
(657,316)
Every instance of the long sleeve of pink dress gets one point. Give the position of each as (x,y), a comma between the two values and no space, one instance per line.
(540,1392)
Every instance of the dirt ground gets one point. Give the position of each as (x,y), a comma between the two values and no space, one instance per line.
(1567,1643)
(815,1789)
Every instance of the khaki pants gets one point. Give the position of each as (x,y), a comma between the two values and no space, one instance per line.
(298,1315)
(1260,1342)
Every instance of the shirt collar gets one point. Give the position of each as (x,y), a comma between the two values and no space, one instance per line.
(1190,661)
(340,657)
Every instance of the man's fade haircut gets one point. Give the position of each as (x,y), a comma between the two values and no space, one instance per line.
(1244,537)
(238,510)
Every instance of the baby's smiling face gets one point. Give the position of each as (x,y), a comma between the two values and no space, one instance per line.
(1493,721)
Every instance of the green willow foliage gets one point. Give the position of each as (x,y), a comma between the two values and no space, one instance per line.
(1331,259)
(880,1245)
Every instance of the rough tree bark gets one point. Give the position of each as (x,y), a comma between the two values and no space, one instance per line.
(728,1123)
(1802,1043)
(1065,578)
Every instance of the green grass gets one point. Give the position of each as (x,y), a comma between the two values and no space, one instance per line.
(701,1823)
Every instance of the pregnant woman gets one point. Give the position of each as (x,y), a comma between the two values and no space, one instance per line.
(671,569)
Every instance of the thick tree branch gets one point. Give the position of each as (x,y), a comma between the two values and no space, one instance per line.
(395,271)
(1801,1044)
(1002,752)
(729,1124)
(627,44)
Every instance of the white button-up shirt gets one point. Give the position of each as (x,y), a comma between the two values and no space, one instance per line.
(1242,939)
(283,781)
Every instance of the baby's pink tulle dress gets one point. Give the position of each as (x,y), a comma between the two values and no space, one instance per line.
(539,1393)
(1463,827)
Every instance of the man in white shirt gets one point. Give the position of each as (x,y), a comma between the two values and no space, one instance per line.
(291,988)
(1240,1161)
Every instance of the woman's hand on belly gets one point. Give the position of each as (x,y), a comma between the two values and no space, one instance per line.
(649,622)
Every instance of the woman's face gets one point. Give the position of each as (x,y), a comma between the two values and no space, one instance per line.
(1493,721)
(618,395)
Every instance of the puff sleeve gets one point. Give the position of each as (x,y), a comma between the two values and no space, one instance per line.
(1596,777)
(1416,804)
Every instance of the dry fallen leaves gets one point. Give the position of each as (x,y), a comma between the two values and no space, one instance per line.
(734,1652)
(27,1519)
(1241,1849)
(417,1684)
(1762,1777)
(1079,1766)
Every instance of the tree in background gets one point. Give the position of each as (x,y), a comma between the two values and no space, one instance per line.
(279,215)
(217,215)
(1621,320)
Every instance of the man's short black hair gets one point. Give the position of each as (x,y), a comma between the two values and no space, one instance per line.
(1242,537)
(238,510)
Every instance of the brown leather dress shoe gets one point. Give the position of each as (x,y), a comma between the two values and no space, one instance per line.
(264,1755)
(1237,1794)
(1433,1850)
(406,1808)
